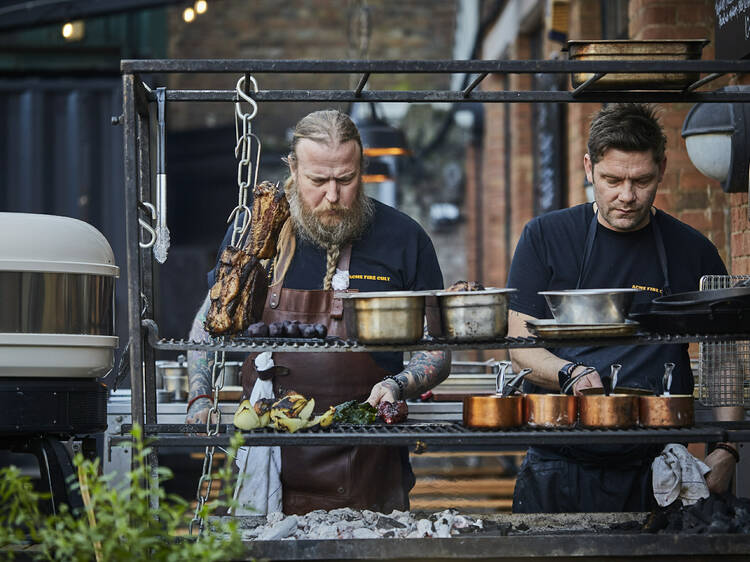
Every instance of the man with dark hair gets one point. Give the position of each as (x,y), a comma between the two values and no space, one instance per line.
(336,238)
(621,240)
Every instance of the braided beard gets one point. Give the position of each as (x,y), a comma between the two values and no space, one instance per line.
(352,221)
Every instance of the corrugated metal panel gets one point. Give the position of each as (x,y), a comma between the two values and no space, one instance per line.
(60,154)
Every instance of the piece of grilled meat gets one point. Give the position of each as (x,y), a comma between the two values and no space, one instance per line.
(270,211)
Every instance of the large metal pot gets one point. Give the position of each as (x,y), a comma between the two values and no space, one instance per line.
(173,377)
(666,411)
(471,315)
(384,317)
(615,411)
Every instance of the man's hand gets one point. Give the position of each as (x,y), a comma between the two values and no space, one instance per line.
(592,380)
(722,465)
(384,391)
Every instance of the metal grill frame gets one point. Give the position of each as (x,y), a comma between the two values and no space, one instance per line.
(137,125)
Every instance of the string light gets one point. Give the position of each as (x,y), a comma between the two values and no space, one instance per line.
(73,30)
(201,6)
(188,15)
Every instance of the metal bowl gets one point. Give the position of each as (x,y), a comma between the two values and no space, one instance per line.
(590,306)
(384,317)
(471,315)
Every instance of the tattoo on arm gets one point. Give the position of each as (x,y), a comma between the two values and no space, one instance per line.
(200,363)
(425,370)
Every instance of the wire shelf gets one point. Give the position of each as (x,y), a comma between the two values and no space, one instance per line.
(724,366)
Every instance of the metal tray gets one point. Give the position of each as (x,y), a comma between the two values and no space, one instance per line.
(554,330)
(644,50)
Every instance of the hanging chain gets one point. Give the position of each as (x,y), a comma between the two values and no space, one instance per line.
(213,422)
(241,217)
(243,132)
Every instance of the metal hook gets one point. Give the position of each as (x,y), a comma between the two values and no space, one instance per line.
(241,94)
(147,227)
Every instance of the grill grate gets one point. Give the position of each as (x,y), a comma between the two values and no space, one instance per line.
(724,366)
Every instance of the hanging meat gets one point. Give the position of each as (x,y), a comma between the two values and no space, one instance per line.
(239,293)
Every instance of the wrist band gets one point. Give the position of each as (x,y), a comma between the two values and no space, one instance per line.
(399,383)
(198,398)
(729,449)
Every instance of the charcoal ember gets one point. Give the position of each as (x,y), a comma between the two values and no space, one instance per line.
(393,412)
(384,522)
(276,329)
(257,330)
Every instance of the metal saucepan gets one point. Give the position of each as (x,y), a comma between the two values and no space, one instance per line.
(501,410)
(666,410)
(553,410)
(608,410)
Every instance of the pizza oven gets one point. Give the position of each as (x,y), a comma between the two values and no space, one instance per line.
(57,280)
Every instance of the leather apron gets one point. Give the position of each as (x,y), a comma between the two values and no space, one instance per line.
(330,477)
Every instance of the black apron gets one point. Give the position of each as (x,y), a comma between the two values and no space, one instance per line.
(603,478)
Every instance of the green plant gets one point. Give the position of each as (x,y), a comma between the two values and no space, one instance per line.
(117,522)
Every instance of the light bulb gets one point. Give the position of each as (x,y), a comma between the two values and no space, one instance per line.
(201,6)
(67,30)
(188,15)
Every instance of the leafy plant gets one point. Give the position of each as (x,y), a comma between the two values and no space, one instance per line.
(117,522)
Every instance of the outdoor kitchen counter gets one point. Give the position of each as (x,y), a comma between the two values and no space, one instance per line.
(583,536)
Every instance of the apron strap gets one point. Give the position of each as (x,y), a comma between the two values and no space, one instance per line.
(588,246)
(662,252)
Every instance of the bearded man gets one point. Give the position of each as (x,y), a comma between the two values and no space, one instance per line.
(337,238)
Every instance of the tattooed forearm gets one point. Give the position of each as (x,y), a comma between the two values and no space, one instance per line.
(425,370)
(200,363)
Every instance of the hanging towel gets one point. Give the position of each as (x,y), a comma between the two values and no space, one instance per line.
(678,474)
(258,490)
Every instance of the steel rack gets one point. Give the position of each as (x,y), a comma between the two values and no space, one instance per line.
(138,122)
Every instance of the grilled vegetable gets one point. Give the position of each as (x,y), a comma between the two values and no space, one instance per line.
(355,413)
(245,417)
(393,412)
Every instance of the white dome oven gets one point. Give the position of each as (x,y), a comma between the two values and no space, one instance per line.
(57,280)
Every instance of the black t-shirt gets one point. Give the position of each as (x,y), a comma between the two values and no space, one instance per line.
(394,254)
(549,256)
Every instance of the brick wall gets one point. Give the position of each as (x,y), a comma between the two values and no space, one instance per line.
(685,192)
(303,29)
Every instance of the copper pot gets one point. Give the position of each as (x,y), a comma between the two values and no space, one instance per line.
(493,411)
(613,411)
(501,410)
(550,410)
(666,411)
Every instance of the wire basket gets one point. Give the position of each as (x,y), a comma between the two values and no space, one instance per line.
(724,366)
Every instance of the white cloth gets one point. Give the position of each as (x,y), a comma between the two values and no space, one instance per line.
(258,490)
(340,280)
(678,474)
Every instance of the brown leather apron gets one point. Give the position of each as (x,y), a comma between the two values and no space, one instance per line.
(369,477)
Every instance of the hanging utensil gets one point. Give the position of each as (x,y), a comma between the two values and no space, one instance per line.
(667,379)
(161,246)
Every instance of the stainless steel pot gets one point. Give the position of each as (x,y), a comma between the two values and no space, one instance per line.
(384,317)
(172,376)
(471,315)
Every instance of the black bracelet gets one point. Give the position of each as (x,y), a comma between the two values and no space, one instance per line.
(399,383)
(729,449)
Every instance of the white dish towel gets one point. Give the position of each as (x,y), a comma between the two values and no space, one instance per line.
(258,490)
(678,474)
